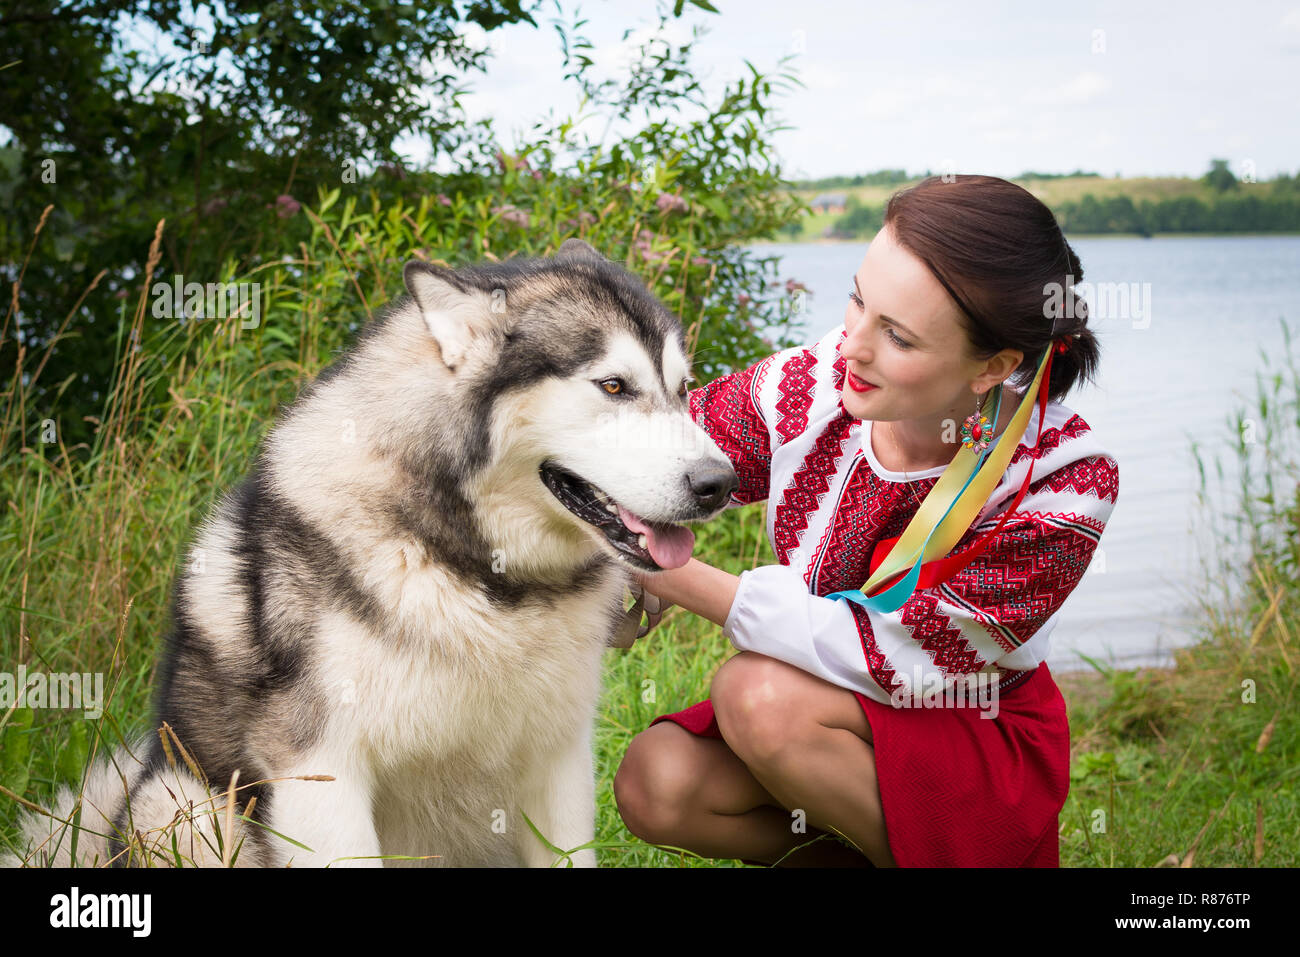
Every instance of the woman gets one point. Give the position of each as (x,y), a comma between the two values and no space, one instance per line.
(964,288)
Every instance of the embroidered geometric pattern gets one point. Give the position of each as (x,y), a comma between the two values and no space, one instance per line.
(883,675)
(808,487)
(795,387)
(1015,584)
(1079,524)
(726,411)
(756,385)
(938,637)
(1091,476)
(837,368)
(1095,476)
(1052,439)
(844,554)
(1021,579)
(877,663)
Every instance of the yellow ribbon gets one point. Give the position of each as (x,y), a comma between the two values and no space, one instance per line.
(955,501)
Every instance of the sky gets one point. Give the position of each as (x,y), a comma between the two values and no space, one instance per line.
(1124,88)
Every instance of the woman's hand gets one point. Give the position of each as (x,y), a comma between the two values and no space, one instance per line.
(646,604)
(654,603)
(640,577)
(696,586)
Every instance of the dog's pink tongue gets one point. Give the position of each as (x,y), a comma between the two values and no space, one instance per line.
(670,548)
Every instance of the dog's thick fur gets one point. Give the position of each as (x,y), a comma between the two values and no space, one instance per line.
(397,598)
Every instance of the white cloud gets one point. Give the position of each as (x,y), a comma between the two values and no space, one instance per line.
(616,58)
(944,85)
(884,104)
(818,77)
(990,117)
(1010,134)
(879,90)
(1082,88)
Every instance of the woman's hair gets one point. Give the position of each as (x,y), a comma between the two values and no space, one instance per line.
(997,250)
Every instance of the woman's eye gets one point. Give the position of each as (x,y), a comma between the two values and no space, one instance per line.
(612,386)
(893,336)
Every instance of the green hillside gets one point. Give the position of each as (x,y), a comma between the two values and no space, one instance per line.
(1086,204)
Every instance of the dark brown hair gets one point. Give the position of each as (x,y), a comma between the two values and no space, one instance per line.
(996,248)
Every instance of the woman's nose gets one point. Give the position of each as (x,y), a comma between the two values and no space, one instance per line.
(852,347)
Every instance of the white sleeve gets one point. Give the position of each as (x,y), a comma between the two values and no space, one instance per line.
(774,614)
(987,612)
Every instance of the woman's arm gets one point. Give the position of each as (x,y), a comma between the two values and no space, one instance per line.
(698,587)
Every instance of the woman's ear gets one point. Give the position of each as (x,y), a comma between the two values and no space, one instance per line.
(1003,364)
(998,369)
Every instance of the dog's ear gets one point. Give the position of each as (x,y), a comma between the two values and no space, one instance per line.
(577,250)
(453,312)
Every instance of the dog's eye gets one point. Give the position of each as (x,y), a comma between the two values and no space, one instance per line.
(685,386)
(614,386)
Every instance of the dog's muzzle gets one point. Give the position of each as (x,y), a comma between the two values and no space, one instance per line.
(651,546)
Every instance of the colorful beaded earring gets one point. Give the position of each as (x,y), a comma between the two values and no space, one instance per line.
(975,431)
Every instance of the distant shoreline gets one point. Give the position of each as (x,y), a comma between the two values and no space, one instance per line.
(824,241)
(1085,205)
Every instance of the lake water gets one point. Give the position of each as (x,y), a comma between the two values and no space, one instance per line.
(1176,365)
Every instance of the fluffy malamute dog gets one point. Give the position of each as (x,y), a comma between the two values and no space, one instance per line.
(411,591)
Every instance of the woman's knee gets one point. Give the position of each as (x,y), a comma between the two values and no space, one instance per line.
(656,782)
(767,707)
(754,706)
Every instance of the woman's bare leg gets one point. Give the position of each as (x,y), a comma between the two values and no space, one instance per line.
(683,791)
(807,743)
(674,788)
(791,741)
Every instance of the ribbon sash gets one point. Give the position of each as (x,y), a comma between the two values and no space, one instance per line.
(948,512)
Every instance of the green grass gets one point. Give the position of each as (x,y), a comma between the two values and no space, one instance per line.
(1166,765)
(1198,765)
(1168,768)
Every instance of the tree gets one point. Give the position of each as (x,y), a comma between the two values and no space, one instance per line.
(1219,177)
(207,129)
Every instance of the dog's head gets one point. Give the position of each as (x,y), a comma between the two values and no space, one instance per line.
(575,381)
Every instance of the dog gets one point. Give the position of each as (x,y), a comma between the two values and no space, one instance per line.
(392,629)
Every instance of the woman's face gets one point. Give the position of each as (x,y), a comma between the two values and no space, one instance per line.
(904,338)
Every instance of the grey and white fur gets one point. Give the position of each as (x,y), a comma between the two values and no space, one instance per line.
(402,595)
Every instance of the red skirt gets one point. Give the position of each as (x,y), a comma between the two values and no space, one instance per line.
(959,790)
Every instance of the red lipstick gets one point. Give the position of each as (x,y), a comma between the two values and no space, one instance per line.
(859,385)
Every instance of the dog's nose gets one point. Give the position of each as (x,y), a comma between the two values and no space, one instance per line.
(712,485)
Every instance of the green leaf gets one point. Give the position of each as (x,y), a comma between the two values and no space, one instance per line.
(249,820)
(72,756)
(328,200)
(16,742)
